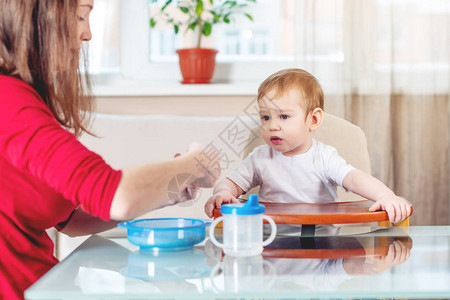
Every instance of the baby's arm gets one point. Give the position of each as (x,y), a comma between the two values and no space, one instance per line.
(225,191)
(367,186)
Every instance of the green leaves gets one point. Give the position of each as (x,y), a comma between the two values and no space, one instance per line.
(231,3)
(184,9)
(166,4)
(193,25)
(226,18)
(216,17)
(152,22)
(200,14)
(199,8)
(207,28)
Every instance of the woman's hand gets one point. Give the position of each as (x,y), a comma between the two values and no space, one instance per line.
(151,186)
(205,172)
(207,165)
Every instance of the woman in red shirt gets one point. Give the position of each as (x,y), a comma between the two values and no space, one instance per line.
(48,178)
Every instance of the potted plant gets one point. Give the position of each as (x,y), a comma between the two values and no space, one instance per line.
(197,64)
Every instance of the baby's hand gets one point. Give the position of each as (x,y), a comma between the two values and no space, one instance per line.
(398,208)
(217,200)
(398,253)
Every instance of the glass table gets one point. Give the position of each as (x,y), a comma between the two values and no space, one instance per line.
(397,262)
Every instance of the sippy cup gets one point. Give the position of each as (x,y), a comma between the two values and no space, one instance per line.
(243,274)
(243,228)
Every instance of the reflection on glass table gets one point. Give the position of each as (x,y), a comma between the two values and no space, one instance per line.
(329,260)
(242,274)
(389,263)
(147,265)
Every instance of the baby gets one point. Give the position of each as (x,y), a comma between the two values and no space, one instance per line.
(292,166)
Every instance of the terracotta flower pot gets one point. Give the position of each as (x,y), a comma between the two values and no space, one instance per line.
(197,64)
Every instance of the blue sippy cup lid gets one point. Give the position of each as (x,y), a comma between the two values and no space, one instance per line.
(251,207)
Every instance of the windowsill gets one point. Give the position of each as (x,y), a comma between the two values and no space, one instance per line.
(114,85)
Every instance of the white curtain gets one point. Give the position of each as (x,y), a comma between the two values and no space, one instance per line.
(104,46)
(384,65)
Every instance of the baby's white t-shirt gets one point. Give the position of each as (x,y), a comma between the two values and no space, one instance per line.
(309,177)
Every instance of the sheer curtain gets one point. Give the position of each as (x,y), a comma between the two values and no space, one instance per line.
(104,46)
(384,65)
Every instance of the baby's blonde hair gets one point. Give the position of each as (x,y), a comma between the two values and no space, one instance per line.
(306,84)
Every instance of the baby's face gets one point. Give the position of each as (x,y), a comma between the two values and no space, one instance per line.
(283,124)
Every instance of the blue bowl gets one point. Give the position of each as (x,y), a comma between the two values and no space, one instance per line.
(166,234)
(146,265)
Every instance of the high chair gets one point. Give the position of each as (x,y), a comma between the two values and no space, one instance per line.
(350,142)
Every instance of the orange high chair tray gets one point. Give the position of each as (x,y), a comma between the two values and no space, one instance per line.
(321,213)
(311,214)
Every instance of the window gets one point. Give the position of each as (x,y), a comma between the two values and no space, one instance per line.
(150,53)
(104,48)
(356,43)
(240,40)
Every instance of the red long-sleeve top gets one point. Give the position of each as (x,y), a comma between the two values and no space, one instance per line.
(45,173)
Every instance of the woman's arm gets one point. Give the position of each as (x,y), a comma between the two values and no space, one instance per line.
(367,186)
(145,188)
(81,223)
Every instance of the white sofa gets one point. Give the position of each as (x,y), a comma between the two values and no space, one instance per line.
(126,140)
